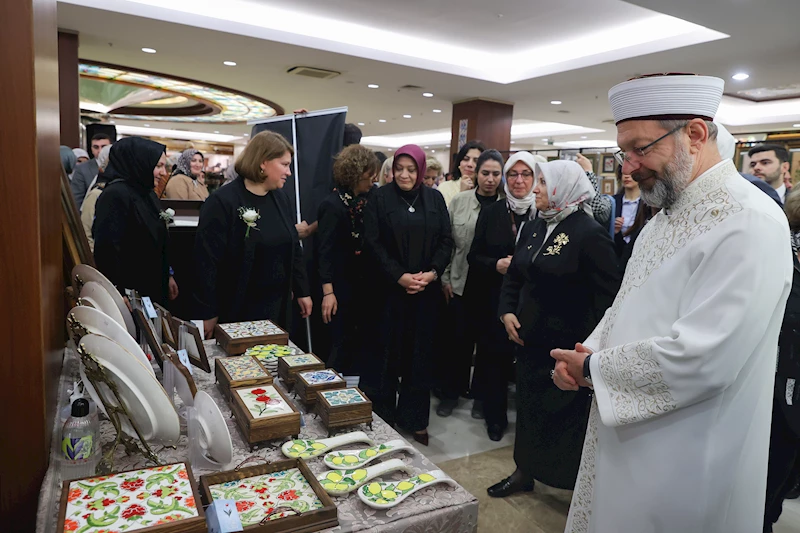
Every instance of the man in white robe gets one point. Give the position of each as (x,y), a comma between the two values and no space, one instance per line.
(683,363)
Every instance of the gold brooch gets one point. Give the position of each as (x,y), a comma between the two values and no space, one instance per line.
(560,241)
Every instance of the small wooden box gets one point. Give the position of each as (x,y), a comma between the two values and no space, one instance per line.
(321,516)
(132,496)
(264,413)
(242,371)
(308,384)
(290,365)
(344,407)
(237,337)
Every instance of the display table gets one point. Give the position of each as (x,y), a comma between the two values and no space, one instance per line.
(440,508)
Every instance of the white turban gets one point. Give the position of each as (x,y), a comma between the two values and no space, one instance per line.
(726,144)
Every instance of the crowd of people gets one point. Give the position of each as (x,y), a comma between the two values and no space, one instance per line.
(647,346)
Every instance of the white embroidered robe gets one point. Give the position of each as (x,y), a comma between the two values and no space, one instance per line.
(684,366)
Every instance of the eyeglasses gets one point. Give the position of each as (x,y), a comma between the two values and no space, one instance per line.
(621,156)
(525,174)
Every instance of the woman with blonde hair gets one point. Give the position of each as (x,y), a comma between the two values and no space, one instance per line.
(247,251)
(385,175)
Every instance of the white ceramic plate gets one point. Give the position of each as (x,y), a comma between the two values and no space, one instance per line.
(99,323)
(143,396)
(87,273)
(216,438)
(102,300)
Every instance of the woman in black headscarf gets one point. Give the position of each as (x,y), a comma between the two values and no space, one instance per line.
(407,231)
(130,230)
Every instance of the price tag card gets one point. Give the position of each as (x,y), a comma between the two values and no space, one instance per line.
(183,356)
(148,307)
(222,517)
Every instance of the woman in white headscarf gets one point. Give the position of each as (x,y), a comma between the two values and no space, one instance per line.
(562,278)
(489,256)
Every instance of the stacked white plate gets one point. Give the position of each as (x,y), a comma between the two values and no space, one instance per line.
(88,274)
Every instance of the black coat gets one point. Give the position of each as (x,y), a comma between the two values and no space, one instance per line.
(789,356)
(561,296)
(337,261)
(226,260)
(494,240)
(130,238)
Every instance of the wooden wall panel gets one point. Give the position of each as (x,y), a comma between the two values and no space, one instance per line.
(31,283)
(68,95)
(488,121)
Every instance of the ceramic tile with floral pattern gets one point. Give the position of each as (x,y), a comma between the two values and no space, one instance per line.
(130,500)
(299,360)
(314,377)
(269,353)
(259,495)
(264,401)
(257,328)
(343,397)
(244,367)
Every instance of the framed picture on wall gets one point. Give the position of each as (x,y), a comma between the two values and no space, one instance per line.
(608,187)
(608,164)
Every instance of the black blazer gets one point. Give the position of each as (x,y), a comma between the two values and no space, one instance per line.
(494,240)
(382,217)
(224,258)
(337,261)
(789,355)
(561,295)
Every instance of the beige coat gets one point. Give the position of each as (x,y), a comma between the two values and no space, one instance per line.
(87,213)
(180,187)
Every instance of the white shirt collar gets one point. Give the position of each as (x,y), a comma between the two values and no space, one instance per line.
(781,192)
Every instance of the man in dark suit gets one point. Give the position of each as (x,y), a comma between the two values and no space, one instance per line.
(86,172)
(770,162)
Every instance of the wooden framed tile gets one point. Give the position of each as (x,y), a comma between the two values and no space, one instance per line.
(161,499)
(240,371)
(237,337)
(340,408)
(308,384)
(193,341)
(264,413)
(290,365)
(264,489)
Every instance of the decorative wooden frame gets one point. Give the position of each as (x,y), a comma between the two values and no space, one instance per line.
(339,416)
(289,373)
(608,160)
(308,522)
(227,382)
(168,334)
(170,354)
(195,524)
(236,346)
(308,392)
(256,430)
(199,359)
(76,245)
(144,325)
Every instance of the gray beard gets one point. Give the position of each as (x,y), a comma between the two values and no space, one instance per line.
(671,182)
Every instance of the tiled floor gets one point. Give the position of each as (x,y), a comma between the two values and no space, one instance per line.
(459,446)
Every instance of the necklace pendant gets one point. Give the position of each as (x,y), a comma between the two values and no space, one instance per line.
(411,209)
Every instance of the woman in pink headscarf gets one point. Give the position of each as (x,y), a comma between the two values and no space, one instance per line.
(407,231)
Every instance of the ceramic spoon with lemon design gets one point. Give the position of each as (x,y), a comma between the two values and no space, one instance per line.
(382,495)
(342,482)
(307,448)
(349,459)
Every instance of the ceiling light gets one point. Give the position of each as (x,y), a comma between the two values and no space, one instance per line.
(437,110)
(216,131)
(149,50)
(247,135)
(796,125)
(555,102)
(175,134)
(740,76)
(448,146)
(360,123)
(427,95)
(147,125)
(406,116)
(112,122)
(545,140)
(427,147)
(229,63)
(584,137)
(373,86)
(433,151)
(382,120)
(513,142)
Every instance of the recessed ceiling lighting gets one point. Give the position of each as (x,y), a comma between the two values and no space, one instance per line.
(382,120)
(513,142)
(555,102)
(433,151)
(796,125)
(448,146)
(149,50)
(373,86)
(147,125)
(584,137)
(545,140)
(427,147)
(215,131)
(112,122)
(406,116)
(229,63)
(360,123)
(437,110)
(247,135)
(427,95)
(740,76)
